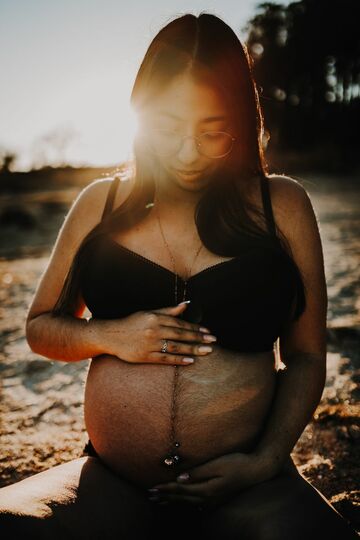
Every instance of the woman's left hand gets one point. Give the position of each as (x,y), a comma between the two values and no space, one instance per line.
(214,481)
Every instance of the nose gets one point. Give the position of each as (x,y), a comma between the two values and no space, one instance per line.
(188,152)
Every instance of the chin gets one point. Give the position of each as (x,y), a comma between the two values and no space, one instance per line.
(194,182)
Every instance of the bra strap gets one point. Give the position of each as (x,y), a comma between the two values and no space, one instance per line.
(110,197)
(265,192)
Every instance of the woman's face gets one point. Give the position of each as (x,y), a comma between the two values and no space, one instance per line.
(188,108)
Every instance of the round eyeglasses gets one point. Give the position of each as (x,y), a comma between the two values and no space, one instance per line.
(211,144)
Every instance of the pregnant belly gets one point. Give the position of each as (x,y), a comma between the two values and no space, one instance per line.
(222,401)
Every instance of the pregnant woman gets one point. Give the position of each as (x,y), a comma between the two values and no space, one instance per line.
(196,268)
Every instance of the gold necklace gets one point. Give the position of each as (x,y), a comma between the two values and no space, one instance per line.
(173,457)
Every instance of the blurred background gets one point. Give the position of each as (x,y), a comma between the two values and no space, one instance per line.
(67,70)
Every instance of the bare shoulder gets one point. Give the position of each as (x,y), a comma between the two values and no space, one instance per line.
(85,213)
(88,206)
(292,205)
(87,209)
(123,191)
(285,186)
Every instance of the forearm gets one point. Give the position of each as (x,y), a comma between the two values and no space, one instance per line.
(298,393)
(65,337)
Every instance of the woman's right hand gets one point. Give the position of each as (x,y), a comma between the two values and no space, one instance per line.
(139,337)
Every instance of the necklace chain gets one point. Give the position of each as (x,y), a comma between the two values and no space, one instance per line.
(173,457)
(171,256)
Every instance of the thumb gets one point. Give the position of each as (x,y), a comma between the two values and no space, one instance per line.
(174,310)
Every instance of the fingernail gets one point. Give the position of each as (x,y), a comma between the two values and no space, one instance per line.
(188,360)
(153,490)
(205,348)
(209,338)
(183,476)
(203,329)
(186,302)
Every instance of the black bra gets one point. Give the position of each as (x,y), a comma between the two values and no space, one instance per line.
(245,301)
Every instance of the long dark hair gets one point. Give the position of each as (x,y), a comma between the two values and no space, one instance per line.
(205,47)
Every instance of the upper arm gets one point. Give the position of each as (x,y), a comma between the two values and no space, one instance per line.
(295,216)
(85,212)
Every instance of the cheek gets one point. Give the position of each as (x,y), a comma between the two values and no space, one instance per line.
(214,165)
(165,163)
(161,163)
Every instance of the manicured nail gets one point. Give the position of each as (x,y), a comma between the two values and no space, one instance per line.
(203,329)
(209,338)
(183,476)
(186,302)
(188,360)
(205,348)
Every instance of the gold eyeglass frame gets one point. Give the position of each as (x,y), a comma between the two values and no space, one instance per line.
(198,143)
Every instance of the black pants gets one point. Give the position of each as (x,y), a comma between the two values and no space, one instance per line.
(174,521)
(90,450)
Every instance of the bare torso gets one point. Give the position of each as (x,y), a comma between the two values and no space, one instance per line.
(222,404)
(222,399)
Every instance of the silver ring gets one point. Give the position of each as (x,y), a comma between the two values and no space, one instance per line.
(164,347)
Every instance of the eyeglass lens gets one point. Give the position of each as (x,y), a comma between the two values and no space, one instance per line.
(211,144)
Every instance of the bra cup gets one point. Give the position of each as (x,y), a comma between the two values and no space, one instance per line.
(193,312)
(245,301)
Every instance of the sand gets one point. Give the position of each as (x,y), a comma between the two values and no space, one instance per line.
(41,422)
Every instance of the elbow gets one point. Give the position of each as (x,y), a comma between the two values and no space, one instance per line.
(31,335)
(317,359)
(35,334)
(39,336)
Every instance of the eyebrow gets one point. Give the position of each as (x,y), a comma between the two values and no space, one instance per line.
(206,120)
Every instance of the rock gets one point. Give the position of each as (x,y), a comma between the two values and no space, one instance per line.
(36,365)
(354,432)
(342,432)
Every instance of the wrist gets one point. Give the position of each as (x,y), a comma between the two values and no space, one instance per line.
(270,461)
(94,334)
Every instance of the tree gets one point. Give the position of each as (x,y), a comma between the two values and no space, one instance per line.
(307,61)
(7,159)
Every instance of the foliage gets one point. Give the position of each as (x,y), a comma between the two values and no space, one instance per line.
(306,62)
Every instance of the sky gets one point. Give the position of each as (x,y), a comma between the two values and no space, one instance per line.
(67,71)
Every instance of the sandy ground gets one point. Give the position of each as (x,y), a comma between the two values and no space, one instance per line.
(41,422)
